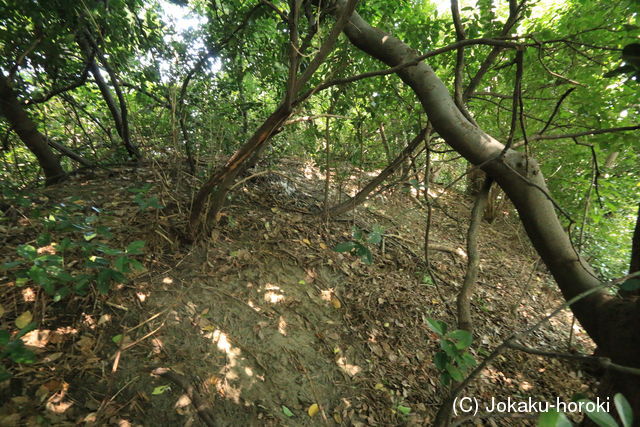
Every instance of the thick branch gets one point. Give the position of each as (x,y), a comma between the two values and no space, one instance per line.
(362,195)
(536,210)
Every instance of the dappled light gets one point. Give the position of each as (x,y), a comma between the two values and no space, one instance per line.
(278,213)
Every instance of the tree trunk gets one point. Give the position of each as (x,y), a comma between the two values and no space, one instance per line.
(611,323)
(28,132)
(119,114)
(634,265)
(223,178)
(473,260)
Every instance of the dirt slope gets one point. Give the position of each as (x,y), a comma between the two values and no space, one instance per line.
(265,320)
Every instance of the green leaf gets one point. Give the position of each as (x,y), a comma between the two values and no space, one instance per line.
(345,247)
(553,419)
(374,238)
(440,360)
(437,326)
(122,264)
(463,338)
(135,248)
(38,275)
(90,235)
(455,373)
(43,239)
(117,339)
(160,389)
(364,253)
(104,281)
(404,410)
(469,360)
(10,265)
(449,348)
(27,251)
(631,284)
(356,233)
(445,378)
(4,337)
(624,409)
(136,265)
(287,411)
(603,419)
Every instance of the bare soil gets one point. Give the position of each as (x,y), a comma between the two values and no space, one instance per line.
(265,320)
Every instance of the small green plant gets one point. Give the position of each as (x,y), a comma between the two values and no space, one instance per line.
(143,201)
(13,349)
(360,243)
(599,417)
(72,253)
(453,360)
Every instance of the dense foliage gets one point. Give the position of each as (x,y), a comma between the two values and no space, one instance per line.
(204,82)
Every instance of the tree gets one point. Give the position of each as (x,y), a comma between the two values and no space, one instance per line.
(28,132)
(607,319)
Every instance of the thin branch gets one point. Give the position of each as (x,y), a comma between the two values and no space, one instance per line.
(517,89)
(578,134)
(556,109)
(604,362)
(395,69)
(54,92)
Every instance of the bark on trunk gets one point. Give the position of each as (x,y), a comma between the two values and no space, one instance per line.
(223,178)
(634,265)
(28,132)
(119,113)
(473,260)
(610,322)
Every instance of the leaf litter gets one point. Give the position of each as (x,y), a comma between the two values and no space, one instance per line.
(267,322)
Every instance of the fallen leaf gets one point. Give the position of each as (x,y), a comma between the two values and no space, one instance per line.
(335,302)
(287,411)
(313,409)
(1,310)
(161,389)
(24,319)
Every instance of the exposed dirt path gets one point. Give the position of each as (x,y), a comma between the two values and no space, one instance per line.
(266,320)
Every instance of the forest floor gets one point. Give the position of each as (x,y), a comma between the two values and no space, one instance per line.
(266,321)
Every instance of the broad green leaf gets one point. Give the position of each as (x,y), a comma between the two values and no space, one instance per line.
(27,251)
(454,372)
(135,248)
(553,419)
(624,409)
(603,419)
(287,411)
(440,360)
(4,337)
(374,238)
(121,264)
(437,326)
(345,246)
(463,338)
(404,410)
